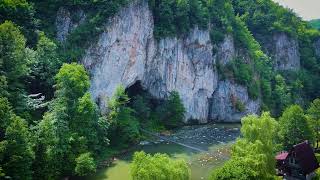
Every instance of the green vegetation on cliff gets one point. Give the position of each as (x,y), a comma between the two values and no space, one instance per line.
(38,133)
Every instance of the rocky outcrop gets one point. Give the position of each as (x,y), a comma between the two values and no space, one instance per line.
(230,102)
(119,57)
(226,51)
(317,47)
(186,66)
(286,52)
(126,53)
(65,23)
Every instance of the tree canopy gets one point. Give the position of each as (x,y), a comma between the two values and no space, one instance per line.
(158,166)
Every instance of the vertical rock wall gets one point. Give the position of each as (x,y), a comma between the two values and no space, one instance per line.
(127,52)
(287,56)
(65,24)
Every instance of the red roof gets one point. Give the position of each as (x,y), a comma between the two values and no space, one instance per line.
(282,156)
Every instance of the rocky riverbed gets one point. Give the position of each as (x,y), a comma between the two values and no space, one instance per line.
(214,139)
(201,136)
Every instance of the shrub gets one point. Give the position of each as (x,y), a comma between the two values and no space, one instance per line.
(159,166)
(171,112)
(85,164)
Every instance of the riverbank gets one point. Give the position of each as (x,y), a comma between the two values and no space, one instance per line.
(216,139)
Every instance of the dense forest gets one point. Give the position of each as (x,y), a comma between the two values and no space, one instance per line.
(51,127)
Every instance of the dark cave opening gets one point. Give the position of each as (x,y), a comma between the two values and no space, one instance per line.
(136,91)
(151,112)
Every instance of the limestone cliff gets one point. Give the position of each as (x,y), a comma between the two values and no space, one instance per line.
(127,52)
(65,23)
(286,52)
(283,50)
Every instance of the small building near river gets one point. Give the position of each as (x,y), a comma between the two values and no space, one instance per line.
(298,163)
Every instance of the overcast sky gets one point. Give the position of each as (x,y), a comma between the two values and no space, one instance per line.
(307,9)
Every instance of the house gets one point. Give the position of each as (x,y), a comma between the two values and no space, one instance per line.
(299,163)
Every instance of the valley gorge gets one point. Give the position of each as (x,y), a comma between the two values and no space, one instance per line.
(158,89)
(127,52)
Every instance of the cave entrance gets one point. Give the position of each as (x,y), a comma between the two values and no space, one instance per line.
(136,92)
(144,105)
(152,112)
(135,89)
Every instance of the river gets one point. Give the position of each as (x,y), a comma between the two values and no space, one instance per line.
(214,139)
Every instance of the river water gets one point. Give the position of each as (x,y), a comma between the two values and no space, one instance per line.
(215,140)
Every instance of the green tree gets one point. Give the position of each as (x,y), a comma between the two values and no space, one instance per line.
(14,64)
(182,16)
(172,112)
(263,128)
(124,127)
(44,139)
(163,18)
(46,66)
(85,164)
(313,114)
(142,108)
(235,169)
(294,127)
(282,94)
(17,156)
(253,153)
(5,115)
(15,146)
(159,166)
(258,141)
(198,13)
(87,116)
(71,129)
(21,12)
(72,82)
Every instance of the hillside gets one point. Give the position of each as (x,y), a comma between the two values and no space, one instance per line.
(80,77)
(315,23)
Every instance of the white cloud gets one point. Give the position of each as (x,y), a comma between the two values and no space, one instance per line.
(307,9)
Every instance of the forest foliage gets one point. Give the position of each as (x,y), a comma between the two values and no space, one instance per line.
(262,137)
(48,116)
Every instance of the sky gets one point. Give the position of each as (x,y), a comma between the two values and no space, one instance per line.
(307,9)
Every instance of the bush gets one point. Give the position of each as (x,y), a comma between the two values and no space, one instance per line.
(124,127)
(171,112)
(159,166)
(216,35)
(240,107)
(176,17)
(85,164)
(294,127)
(318,157)
(253,89)
(234,169)
(317,177)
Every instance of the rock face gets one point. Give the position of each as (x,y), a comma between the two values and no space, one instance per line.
(65,24)
(225,100)
(127,53)
(121,53)
(286,52)
(186,66)
(226,51)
